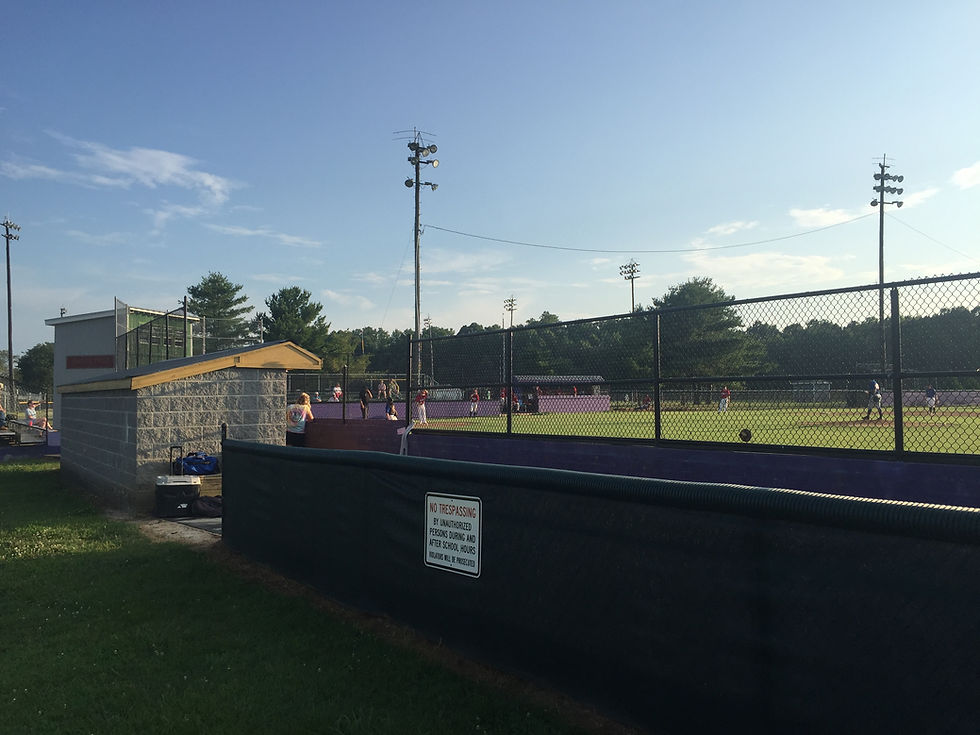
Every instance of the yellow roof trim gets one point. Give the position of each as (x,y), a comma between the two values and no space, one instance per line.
(283,356)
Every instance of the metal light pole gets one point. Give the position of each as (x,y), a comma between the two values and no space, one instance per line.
(420,152)
(510,305)
(432,354)
(629,272)
(882,188)
(8,236)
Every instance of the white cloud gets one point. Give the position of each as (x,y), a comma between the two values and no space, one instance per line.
(820,217)
(169,211)
(150,167)
(598,262)
(282,238)
(917,198)
(436,260)
(967,178)
(375,279)
(730,228)
(18,171)
(347,299)
(767,271)
(109,238)
(100,166)
(277,278)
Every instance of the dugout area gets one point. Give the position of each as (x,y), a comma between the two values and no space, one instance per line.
(678,606)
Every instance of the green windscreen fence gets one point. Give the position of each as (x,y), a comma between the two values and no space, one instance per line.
(681,607)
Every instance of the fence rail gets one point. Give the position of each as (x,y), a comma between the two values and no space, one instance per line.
(799,369)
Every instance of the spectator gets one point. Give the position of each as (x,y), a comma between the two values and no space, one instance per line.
(337,394)
(390,412)
(297,416)
(382,390)
(32,419)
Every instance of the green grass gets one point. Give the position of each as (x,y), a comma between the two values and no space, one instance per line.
(953,430)
(102,630)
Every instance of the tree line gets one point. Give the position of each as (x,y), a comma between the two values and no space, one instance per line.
(711,341)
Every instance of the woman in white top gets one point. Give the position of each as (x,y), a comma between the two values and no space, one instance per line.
(297,414)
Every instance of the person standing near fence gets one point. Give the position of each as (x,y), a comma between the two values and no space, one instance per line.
(931,398)
(382,390)
(474,402)
(364,396)
(297,416)
(725,397)
(874,399)
(420,406)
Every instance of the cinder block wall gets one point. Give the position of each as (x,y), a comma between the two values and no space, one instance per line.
(116,443)
(98,443)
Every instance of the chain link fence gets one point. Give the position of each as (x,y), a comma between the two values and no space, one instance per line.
(797,370)
(324,387)
(174,334)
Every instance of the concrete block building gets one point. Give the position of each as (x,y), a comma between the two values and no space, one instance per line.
(117,429)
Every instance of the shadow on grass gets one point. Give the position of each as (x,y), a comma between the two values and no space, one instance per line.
(106,631)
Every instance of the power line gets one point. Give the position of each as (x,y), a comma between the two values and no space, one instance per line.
(669,250)
(930,237)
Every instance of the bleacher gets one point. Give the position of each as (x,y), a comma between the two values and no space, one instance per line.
(20,434)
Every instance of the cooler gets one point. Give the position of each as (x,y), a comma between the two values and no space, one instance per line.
(175,493)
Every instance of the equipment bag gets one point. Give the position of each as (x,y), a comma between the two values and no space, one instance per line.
(196,463)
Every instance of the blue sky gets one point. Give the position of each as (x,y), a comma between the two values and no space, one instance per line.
(144,145)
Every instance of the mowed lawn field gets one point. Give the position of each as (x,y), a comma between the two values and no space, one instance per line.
(951,430)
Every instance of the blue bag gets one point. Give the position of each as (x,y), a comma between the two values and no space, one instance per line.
(197,463)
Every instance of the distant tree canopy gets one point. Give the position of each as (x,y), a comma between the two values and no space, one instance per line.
(36,367)
(702,335)
(293,316)
(218,300)
(706,341)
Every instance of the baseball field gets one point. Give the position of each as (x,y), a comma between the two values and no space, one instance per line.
(953,430)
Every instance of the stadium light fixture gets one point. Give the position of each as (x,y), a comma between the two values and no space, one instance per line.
(629,272)
(510,305)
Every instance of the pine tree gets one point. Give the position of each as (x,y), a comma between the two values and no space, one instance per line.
(218,300)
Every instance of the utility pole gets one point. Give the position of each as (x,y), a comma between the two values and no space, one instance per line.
(629,272)
(8,236)
(881,179)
